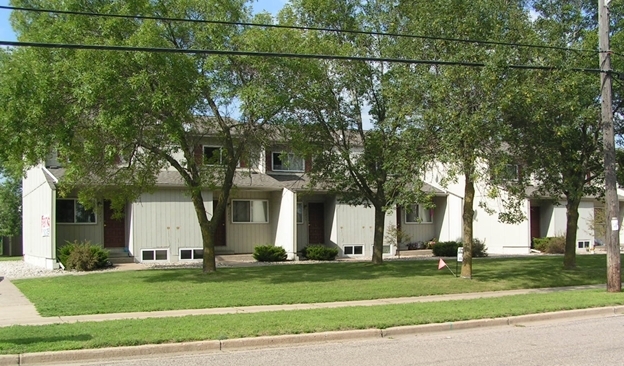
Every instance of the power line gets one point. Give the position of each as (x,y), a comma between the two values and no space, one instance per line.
(283,55)
(369,33)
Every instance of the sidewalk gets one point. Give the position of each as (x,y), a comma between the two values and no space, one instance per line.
(16,309)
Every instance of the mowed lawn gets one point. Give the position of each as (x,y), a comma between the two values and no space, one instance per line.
(170,289)
(132,332)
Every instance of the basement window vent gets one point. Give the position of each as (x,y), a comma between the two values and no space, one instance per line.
(191,254)
(353,250)
(148,255)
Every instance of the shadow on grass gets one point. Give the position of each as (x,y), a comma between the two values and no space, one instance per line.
(546,271)
(313,273)
(51,339)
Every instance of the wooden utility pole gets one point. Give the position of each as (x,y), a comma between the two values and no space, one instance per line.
(614,284)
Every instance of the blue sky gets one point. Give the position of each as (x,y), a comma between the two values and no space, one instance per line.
(6,33)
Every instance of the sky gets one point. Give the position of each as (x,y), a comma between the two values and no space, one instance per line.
(6,33)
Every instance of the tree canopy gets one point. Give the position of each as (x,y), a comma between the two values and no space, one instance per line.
(121,117)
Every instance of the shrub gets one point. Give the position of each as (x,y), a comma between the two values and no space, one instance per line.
(83,256)
(550,245)
(320,253)
(478,248)
(449,248)
(445,249)
(269,253)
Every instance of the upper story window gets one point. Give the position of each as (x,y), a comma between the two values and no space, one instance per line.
(70,211)
(417,214)
(507,173)
(287,162)
(512,172)
(213,155)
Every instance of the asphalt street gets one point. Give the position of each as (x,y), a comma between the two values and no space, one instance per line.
(587,341)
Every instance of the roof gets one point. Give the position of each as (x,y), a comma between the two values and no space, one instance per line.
(246,179)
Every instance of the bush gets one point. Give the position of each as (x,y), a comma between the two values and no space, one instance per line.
(445,248)
(83,256)
(449,248)
(478,248)
(320,253)
(550,245)
(269,253)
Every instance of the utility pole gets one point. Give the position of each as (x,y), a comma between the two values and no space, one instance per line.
(614,284)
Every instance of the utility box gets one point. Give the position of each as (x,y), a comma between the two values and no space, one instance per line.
(12,246)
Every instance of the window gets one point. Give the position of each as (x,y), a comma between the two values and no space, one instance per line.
(583,244)
(353,250)
(70,211)
(417,214)
(287,162)
(511,172)
(299,212)
(154,255)
(508,173)
(253,211)
(213,155)
(191,254)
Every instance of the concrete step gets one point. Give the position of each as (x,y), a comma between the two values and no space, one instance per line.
(118,260)
(119,255)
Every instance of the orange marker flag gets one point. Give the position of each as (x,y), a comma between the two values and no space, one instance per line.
(441,264)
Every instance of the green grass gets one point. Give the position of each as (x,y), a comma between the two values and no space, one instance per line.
(20,339)
(6,259)
(153,290)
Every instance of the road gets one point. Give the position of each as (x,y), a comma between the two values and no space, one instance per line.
(596,341)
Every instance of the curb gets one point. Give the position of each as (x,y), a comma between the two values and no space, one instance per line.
(126,352)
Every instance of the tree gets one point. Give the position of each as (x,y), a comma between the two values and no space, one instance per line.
(10,205)
(559,133)
(462,103)
(345,116)
(153,109)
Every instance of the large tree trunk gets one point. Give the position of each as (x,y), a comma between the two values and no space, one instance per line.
(207,231)
(380,220)
(467,217)
(572,215)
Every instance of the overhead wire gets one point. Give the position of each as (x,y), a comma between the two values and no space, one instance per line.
(293,27)
(277,54)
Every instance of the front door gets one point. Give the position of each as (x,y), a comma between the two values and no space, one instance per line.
(114,229)
(220,234)
(316,223)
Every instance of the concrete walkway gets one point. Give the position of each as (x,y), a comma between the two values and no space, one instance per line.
(16,309)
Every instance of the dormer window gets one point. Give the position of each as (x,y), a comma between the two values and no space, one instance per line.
(287,162)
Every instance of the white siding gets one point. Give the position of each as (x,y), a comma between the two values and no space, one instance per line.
(449,219)
(356,225)
(93,233)
(584,231)
(285,235)
(166,219)
(547,222)
(331,221)
(38,200)
(502,238)
(243,237)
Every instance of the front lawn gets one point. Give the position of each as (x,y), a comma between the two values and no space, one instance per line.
(20,339)
(152,290)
